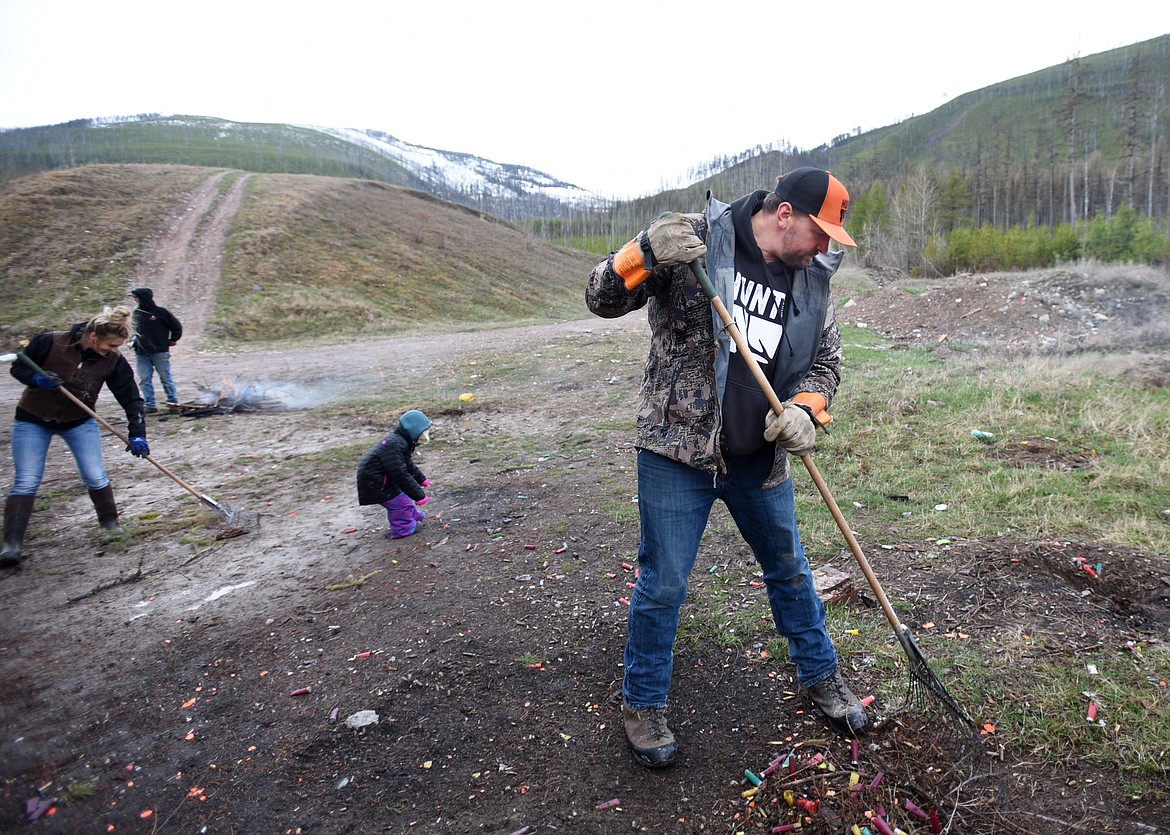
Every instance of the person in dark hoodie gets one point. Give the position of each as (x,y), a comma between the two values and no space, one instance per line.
(705,431)
(387,475)
(80,359)
(156,330)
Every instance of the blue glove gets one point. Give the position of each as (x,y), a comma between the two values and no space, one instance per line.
(46,381)
(138,447)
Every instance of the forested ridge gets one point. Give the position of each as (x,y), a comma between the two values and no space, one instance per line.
(1068,162)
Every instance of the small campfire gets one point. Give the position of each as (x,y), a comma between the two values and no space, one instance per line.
(232,398)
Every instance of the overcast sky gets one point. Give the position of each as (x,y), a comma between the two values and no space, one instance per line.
(617,96)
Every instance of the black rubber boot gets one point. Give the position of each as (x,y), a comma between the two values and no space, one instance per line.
(107,509)
(17,510)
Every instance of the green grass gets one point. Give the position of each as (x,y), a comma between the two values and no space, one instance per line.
(1075,452)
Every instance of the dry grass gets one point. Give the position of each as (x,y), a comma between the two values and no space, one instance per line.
(71,240)
(308,258)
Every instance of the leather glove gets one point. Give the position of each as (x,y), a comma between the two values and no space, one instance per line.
(138,447)
(673,241)
(422,501)
(793,429)
(46,381)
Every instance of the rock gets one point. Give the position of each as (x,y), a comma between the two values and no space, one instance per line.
(833,586)
(361,719)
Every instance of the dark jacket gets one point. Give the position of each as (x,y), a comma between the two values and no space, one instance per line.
(680,413)
(155,328)
(83,372)
(388,468)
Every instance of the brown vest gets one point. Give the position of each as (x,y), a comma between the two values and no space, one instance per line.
(83,374)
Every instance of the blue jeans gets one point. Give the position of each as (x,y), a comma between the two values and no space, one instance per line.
(674,503)
(146,365)
(30,446)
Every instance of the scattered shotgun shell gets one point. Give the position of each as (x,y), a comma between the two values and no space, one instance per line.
(877,780)
(772,766)
(853,746)
(854,778)
(867,701)
(914,810)
(627,566)
(882,826)
(361,655)
(301,691)
(609,804)
(749,792)
(935,826)
(784,827)
(529,547)
(751,778)
(1092,712)
(809,806)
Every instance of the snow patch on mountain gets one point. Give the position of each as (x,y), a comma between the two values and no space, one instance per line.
(466,173)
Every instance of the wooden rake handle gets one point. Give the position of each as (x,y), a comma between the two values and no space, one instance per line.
(778,407)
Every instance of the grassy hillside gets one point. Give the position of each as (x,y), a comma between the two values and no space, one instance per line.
(308,256)
(324,257)
(70,240)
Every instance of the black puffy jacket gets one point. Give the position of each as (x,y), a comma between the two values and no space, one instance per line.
(388,469)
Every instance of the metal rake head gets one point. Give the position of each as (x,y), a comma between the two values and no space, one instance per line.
(924,683)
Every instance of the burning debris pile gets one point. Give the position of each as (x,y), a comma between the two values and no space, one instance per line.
(232,397)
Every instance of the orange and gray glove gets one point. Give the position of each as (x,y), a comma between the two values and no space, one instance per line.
(670,240)
(795,428)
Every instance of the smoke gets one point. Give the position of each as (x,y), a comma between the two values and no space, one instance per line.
(261,395)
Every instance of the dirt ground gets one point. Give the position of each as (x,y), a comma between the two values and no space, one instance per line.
(190,684)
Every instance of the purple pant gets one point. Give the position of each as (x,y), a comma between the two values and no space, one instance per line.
(402,515)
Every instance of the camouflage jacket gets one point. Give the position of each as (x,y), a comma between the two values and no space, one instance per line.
(679,413)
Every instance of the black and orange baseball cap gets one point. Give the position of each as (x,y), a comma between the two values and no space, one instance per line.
(822,196)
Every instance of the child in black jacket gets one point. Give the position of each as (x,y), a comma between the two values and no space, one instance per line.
(387,475)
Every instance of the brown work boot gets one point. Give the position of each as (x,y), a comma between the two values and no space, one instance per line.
(649,738)
(844,710)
